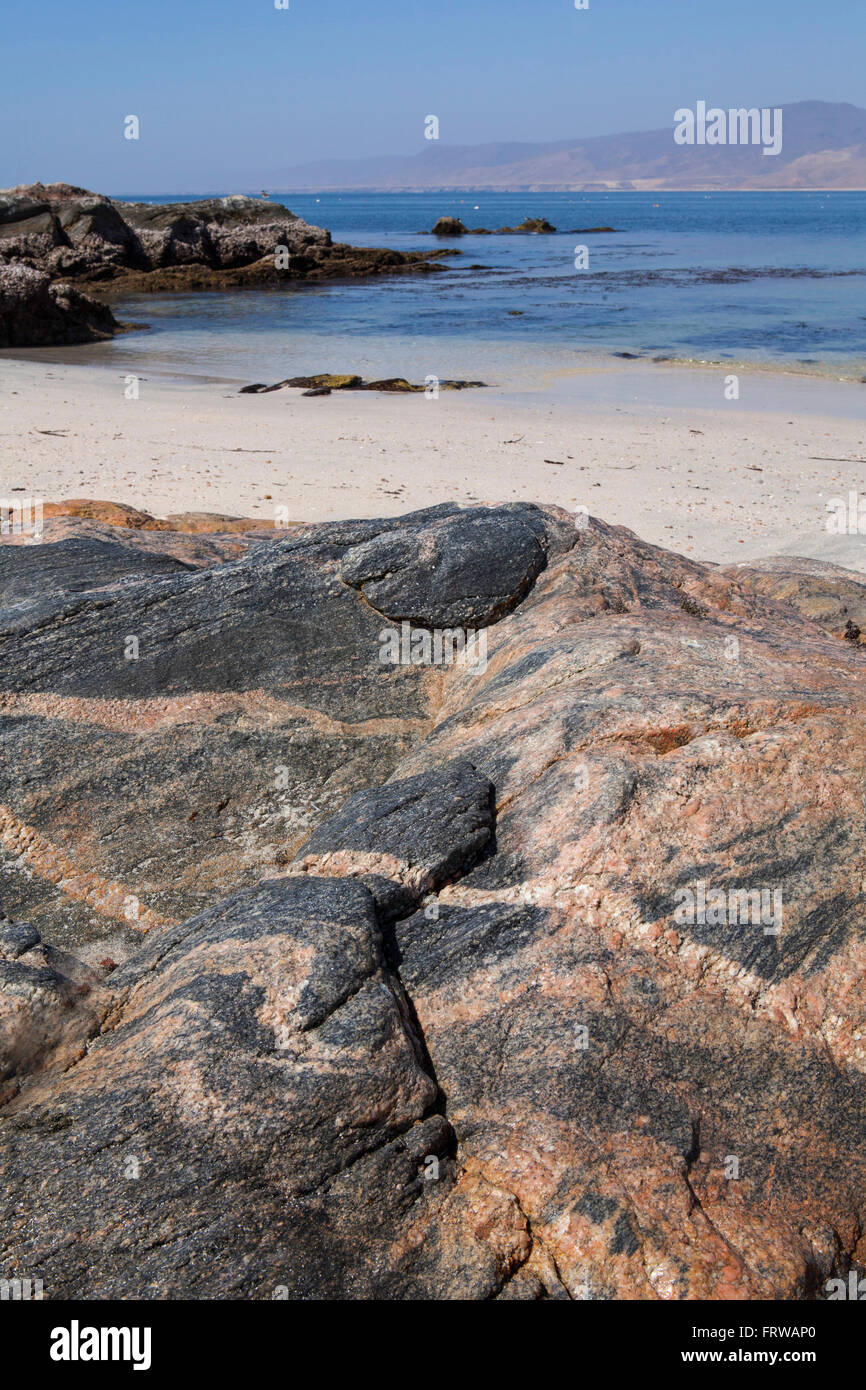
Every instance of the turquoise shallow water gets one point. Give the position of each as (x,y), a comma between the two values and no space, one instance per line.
(773,278)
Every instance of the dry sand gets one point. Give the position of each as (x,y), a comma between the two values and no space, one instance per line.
(656,448)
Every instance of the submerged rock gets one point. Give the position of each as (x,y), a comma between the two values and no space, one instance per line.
(539,977)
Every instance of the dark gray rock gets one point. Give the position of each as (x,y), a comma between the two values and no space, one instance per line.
(411,836)
(275,1008)
(35,312)
(231,705)
(16,938)
(17,209)
(466,571)
(449,226)
(77,565)
(50,1005)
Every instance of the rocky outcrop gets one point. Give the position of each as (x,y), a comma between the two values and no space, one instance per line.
(35,312)
(67,234)
(444,979)
(222,233)
(452,226)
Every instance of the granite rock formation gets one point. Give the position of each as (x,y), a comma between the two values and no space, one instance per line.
(406,1002)
(58,243)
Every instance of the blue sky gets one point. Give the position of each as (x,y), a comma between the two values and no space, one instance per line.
(230,92)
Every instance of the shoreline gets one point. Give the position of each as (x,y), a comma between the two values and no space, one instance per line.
(96,355)
(660,451)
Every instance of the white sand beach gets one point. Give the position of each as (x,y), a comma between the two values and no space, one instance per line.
(657,448)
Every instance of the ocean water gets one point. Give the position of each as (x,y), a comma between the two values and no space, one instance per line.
(767,278)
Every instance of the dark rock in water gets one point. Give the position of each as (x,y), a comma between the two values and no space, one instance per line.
(35,312)
(588,231)
(540,978)
(449,226)
(631,356)
(452,226)
(532,224)
(332,261)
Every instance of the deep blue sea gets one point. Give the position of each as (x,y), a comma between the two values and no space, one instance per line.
(772,278)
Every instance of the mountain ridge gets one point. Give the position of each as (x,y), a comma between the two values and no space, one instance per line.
(824,146)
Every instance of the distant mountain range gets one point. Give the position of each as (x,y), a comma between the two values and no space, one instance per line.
(824,146)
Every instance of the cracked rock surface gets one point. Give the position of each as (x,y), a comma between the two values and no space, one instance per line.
(406,1002)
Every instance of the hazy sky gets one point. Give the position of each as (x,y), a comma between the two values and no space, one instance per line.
(231,92)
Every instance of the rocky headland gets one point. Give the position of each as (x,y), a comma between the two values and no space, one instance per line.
(326,975)
(65,251)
